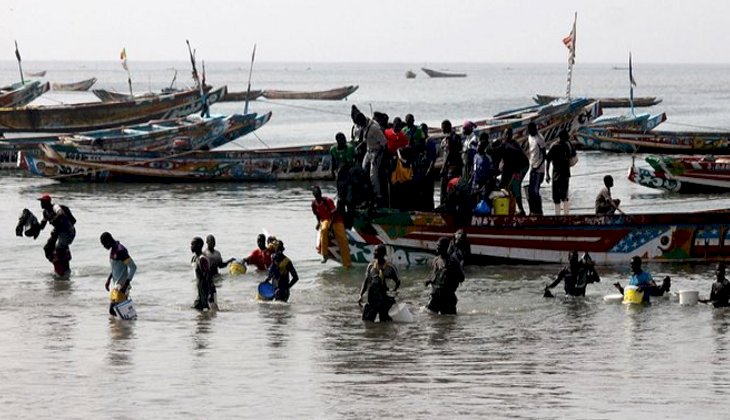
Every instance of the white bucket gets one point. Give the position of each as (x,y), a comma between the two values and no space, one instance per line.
(614,298)
(688,297)
(399,313)
(125,310)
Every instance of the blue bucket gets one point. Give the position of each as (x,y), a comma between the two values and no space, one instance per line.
(266,290)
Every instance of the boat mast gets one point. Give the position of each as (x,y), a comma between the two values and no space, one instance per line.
(20,66)
(569,42)
(250,71)
(632,83)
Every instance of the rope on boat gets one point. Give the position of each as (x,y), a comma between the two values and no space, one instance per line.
(309,108)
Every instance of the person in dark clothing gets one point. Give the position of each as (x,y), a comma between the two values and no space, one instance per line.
(514,168)
(605,204)
(445,278)
(425,172)
(28,225)
(343,160)
(453,163)
(576,276)
(63,233)
(376,274)
(460,248)
(720,292)
(203,276)
(280,272)
(559,156)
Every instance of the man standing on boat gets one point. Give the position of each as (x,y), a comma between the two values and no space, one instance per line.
(203,276)
(453,162)
(329,219)
(63,233)
(514,167)
(343,160)
(605,204)
(214,256)
(469,147)
(376,274)
(375,141)
(559,155)
(576,276)
(446,276)
(537,168)
(122,271)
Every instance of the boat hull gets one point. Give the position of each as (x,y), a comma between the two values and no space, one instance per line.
(411,237)
(658,142)
(639,102)
(443,74)
(76,86)
(327,95)
(21,94)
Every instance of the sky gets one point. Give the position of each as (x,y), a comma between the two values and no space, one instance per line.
(500,31)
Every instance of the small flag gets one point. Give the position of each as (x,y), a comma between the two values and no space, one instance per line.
(631,73)
(569,42)
(203,72)
(17,53)
(123,57)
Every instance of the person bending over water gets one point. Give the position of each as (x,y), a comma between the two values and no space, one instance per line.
(576,276)
(376,274)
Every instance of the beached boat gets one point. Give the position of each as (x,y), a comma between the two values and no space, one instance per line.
(410,237)
(242,96)
(111,96)
(437,73)
(654,141)
(326,95)
(75,86)
(99,115)
(41,73)
(303,163)
(19,94)
(685,174)
(607,102)
(410,75)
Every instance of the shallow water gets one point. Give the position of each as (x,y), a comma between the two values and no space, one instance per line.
(509,353)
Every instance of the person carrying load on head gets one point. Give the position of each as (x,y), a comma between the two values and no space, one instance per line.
(329,219)
(446,276)
(122,271)
(63,233)
(575,276)
(376,274)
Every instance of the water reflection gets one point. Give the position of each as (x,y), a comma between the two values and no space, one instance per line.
(203,328)
(121,342)
(275,318)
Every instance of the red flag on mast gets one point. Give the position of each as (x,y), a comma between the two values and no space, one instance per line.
(569,42)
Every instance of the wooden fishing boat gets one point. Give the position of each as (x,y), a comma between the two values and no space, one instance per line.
(654,141)
(242,96)
(19,94)
(587,136)
(685,174)
(437,74)
(41,73)
(99,115)
(410,75)
(75,86)
(303,163)
(325,95)
(607,102)
(410,237)
(111,96)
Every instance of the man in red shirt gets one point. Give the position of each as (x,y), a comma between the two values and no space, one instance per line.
(261,256)
(325,211)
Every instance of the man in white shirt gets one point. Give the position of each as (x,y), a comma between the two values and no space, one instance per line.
(537,168)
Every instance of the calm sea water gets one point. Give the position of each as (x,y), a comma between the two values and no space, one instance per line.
(510,353)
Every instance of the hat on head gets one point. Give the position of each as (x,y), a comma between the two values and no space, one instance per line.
(468,125)
(45,197)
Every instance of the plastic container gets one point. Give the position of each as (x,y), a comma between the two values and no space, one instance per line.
(500,206)
(265,291)
(236,268)
(399,313)
(632,295)
(688,297)
(125,310)
(613,298)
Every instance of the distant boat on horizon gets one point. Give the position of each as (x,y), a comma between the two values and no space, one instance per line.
(410,75)
(437,74)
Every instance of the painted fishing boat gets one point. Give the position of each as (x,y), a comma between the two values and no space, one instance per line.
(100,115)
(75,86)
(410,237)
(606,102)
(19,94)
(41,73)
(242,96)
(587,137)
(437,73)
(685,174)
(654,141)
(410,75)
(303,163)
(327,95)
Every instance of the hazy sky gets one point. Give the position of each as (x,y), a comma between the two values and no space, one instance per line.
(664,31)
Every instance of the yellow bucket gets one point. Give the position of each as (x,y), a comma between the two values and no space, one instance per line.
(237,269)
(633,295)
(116,296)
(500,206)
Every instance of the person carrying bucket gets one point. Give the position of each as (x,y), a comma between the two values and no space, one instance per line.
(122,271)
(445,278)
(261,256)
(376,274)
(638,289)
(214,256)
(282,274)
